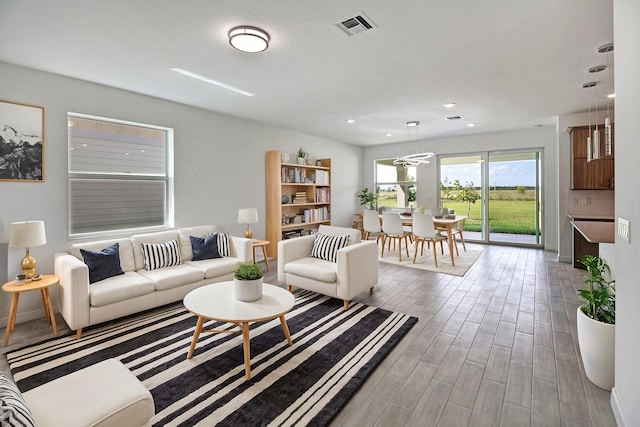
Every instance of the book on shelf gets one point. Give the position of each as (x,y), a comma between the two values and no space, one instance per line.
(322,177)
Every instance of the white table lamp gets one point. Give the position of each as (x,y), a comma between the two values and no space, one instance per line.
(248,216)
(26,235)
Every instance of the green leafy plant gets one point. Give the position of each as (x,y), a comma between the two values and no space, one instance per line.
(247,271)
(367,198)
(601,294)
(302,154)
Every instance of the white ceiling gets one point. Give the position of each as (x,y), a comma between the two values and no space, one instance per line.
(508,64)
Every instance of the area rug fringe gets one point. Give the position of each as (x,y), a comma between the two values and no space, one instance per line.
(305,384)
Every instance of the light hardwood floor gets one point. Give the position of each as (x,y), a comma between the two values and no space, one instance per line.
(496,347)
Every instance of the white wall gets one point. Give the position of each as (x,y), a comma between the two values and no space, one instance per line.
(219,164)
(428,185)
(625,396)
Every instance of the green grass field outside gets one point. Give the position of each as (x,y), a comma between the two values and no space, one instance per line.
(509,211)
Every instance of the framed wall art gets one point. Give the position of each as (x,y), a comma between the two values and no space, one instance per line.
(21,142)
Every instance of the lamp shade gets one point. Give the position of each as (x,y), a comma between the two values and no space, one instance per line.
(27,234)
(248,215)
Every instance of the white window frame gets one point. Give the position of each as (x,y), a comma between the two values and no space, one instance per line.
(167,177)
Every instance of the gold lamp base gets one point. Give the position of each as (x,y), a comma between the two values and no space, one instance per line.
(28,265)
(248,233)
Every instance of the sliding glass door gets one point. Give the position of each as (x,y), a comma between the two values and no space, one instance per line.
(499,192)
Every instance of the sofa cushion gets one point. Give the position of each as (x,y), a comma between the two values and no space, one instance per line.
(326,247)
(13,408)
(173,277)
(104,263)
(100,395)
(184,237)
(161,255)
(216,267)
(119,288)
(125,251)
(313,268)
(205,247)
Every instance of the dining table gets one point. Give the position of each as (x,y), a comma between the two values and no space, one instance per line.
(446,224)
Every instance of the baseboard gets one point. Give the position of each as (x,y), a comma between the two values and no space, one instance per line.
(617,411)
(565,259)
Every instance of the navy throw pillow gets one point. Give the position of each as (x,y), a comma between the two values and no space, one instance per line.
(103,264)
(205,248)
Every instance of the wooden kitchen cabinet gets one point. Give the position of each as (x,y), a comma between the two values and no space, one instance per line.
(594,175)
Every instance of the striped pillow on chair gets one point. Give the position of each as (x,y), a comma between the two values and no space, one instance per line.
(326,247)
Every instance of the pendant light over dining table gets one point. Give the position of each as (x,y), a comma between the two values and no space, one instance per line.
(607,48)
(416,158)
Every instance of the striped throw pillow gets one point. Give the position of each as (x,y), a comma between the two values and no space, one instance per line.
(326,247)
(160,255)
(13,408)
(223,244)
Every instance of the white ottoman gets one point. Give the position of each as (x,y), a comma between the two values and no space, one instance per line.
(104,394)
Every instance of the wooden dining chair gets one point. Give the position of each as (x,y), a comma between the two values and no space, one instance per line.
(457,230)
(424,230)
(393,230)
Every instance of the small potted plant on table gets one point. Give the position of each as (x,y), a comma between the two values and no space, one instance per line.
(367,198)
(247,279)
(596,320)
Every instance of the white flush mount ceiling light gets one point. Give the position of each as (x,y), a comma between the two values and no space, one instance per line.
(449,105)
(413,159)
(249,39)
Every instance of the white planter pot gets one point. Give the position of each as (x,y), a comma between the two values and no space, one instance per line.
(597,348)
(301,160)
(247,290)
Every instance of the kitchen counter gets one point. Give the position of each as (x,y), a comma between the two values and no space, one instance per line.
(596,231)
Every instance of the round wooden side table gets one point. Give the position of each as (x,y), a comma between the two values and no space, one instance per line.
(34,285)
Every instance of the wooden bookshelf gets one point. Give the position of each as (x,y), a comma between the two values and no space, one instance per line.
(308,189)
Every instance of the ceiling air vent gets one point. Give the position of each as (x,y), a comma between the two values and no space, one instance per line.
(452,118)
(356,24)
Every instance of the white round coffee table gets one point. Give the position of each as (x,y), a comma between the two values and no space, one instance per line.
(217,302)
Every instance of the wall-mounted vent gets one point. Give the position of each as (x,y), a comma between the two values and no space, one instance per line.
(356,24)
(452,118)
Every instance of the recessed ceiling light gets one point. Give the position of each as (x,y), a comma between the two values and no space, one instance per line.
(210,81)
(249,39)
(611,95)
(449,105)
(388,135)
(470,125)
(413,123)
(350,121)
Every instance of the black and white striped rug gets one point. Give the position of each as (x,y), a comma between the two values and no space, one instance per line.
(308,383)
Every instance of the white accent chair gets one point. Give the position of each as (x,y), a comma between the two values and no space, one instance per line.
(355,269)
(424,230)
(394,230)
(371,225)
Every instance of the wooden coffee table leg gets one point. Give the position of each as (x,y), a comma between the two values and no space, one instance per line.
(285,328)
(246,346)
(196,334)
(11,322)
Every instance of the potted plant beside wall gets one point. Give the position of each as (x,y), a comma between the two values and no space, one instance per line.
(596,320)
(247,278)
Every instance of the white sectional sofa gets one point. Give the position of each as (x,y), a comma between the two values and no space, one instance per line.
(83,304)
